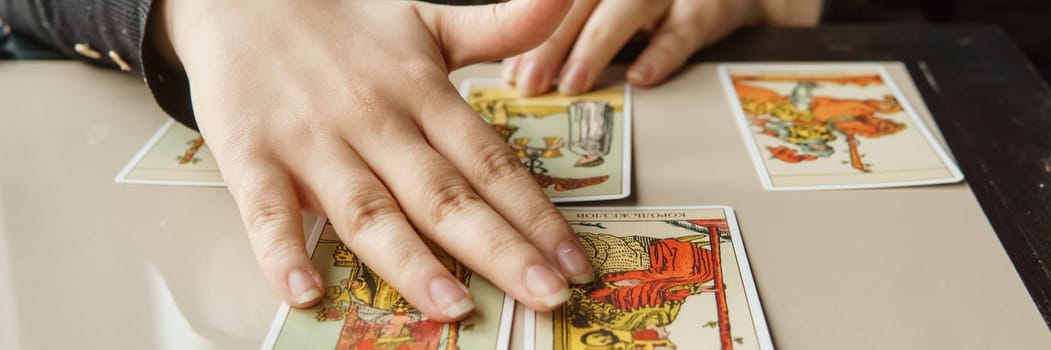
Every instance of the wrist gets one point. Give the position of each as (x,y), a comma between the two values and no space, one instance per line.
(173,28)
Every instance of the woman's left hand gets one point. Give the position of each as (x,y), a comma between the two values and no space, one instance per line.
(594,31)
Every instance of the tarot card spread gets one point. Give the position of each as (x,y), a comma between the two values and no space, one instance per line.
(832,126)
(175,155)
(662,284)
(362,312)
(578,148)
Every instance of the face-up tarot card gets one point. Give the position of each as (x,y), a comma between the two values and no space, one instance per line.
(360,311)
(578,148)
(832,126)
(668,278)
(175,155)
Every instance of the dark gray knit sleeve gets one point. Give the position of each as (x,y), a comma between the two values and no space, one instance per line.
(109,33)
(104,32)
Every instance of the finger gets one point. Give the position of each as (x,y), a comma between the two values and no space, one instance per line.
(271,214)
(499,177)
(687,28)
(449,212)
(485,33)
(508,68)
(611,25)
(370,222)
(443,206)
(540,65)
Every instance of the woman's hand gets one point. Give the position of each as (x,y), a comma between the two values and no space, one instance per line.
(594,31)
(345,108)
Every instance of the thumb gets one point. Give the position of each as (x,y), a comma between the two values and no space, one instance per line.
(472,34)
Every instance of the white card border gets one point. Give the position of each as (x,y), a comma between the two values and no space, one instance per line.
(530,329)
(755,308)
(507,309)
(507,316)
(760,165)
(122,177)
(625,191)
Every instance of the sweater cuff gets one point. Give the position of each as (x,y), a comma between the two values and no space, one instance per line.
(170,87)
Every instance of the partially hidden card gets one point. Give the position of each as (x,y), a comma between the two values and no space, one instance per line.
(175,155)
(667,278)
(360,311)
(578,148)
(823,126)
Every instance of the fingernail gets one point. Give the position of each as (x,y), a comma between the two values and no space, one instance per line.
(452,297)
(640,73)
(303,288)
(509,70)
(573,80)
(546,286)
(533,80)
(575,263)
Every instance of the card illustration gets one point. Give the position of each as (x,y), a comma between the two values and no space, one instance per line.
(833,126)
(576,147)
(667,279)
(360,311)
(175,155)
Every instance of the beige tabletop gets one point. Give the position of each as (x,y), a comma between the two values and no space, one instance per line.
(89,264)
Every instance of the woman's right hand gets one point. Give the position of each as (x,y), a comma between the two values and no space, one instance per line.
(345,108)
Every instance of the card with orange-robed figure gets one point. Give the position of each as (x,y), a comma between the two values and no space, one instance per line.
(832,126)
(667,278)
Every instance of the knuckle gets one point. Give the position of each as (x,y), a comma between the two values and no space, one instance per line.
(652,9)
(421,72)
(450,197)
(502,250)
(559,41)
(404,255)
(545,221)
(665,55)
(273,251)
(397,254)
(261,212)
(408,259)
(365,209)
(267,220)
(370,114)
(265,214)
(495,162)
(237,148)
(597,35)
(664,50)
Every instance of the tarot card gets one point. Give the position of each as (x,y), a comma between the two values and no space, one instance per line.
(832,126)
(668,278)
(360,311)
(175,155)
(578,148)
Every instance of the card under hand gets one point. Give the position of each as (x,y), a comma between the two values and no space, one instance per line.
(668,278)
(832,126)
(360,311)
(578,148)
(175,155)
